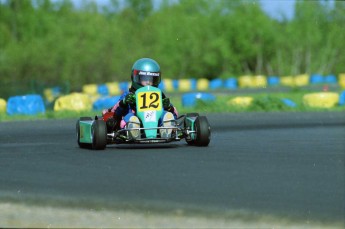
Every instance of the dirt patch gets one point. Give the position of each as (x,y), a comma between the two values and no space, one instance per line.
(20,215)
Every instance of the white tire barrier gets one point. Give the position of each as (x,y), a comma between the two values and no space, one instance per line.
(321,100)
(190,99)
(31,104)
(73,102)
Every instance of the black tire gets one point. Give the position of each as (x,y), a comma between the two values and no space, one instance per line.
(82,145)
(190,142)
(203,131)
(99,135)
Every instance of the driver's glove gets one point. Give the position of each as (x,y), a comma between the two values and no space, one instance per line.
(129,99)
(167,105)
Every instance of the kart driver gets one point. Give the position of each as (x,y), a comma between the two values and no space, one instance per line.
(145,71)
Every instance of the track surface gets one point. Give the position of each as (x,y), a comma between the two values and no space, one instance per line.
(288,165)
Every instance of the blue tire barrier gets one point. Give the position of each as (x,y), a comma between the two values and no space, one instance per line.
(105,102)
(193,84)
(273,80)
(342,98)
(231,83)
(190,99)
(124,86)
(102,89)
(161,86)
(31,104)
(216,84)
(316,79)
(175,84)
(289,102)
(332,79)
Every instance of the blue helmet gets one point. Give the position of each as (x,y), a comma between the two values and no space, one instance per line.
(145,70)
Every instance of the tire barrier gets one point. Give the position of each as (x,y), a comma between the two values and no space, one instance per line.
(31,104)
(342,80)
(273,80)
(245,82)
(105,102)
(73,102)
(316,79)
(50,94)
(185,85)
(287,81)
(241,101)
(321,99)
(260,81)
(288,102)
(331,79)
(113,88)
(3,105)
(301,80)
(342,98)
(216,84)
(190,99)
(231,83)
(90,89)
(202,84)
(102,89)
(167,85)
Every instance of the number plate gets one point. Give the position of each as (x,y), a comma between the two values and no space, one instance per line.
(148,101)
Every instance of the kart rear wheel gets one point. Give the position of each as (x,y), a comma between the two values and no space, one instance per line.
(203,131)
(82,145)
(99,135)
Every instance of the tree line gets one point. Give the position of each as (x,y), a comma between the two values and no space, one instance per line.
(54,42)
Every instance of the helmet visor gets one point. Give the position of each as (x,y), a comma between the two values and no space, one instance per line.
(147,78)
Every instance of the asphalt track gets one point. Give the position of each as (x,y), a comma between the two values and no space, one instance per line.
(288,165)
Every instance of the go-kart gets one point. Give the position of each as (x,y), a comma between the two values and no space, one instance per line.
(96,134)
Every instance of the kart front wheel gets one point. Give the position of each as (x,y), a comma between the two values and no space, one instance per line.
(99,135)
(82,145)
(203,131)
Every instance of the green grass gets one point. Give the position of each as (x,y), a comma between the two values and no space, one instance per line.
(262,102)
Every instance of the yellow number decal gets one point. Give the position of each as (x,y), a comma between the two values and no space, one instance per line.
(149,101)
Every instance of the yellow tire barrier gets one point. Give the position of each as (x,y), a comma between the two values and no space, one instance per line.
(287,81)
(3,105)
(184,85)
(321,99)
(245,81)
(73,102)
(90,89)
(202,84)
(240,101)
(301,80)
(168,85)
(260,81)
(114,88)
(342,80)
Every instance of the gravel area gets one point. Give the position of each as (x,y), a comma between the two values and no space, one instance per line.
(19,216)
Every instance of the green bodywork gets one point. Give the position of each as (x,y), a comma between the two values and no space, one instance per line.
(149,108)
(85,134)
(189,121)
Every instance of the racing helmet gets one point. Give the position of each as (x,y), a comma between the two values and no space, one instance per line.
(145,70)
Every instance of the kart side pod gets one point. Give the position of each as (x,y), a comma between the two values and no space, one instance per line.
(91,133)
